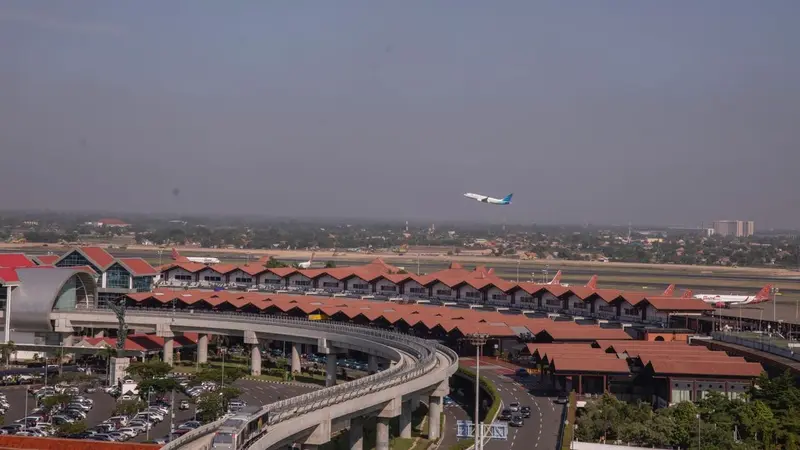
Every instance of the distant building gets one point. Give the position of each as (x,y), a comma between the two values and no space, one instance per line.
(108,222)
(738,228)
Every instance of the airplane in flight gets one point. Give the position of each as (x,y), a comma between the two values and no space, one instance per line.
(490,200)
(724,301)
(196,259)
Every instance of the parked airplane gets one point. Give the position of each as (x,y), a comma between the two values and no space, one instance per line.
(592,284)
(722,301)
(307,264)
(490,200)
(669,291)
(556,279)
(196,259)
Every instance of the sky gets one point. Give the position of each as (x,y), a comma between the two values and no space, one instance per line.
(606,112)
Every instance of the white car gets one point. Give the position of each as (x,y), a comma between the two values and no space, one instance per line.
(514,406)
(131,432)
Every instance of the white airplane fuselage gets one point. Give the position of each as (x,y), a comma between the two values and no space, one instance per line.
(489,200)
(203,260)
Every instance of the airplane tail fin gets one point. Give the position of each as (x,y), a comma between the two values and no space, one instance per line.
(557,278)
(669,290)
(507,198)
(177,256)
(763,294)
(592,284)
(687,294)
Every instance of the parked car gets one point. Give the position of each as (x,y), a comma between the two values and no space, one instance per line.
(184,405)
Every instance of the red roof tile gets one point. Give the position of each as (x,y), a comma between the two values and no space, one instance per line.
(98,256)
(47,259)
(713,368)
(8,275)
(15,260)
(138,267)
(678,304)
(588,364)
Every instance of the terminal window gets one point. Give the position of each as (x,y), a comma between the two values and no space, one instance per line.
(472,294)
(244,280)
(117,277)
(417,290)
(183,277)
(579,305)
(388,288)
(302,282)
(212,278)
(330,284)
(527,299)
(499,297)
(360,286)
(631,311)
(606,309)
(444,292)
(553,302)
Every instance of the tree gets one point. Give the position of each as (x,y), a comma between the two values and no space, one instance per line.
(330,264)
(209,407)
(6,349)
(108,352)
(66,429)
(273,263)
(149,369)
(129,407)
(58,400)
(214,374)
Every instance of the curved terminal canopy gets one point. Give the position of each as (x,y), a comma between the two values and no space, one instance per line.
(42,290)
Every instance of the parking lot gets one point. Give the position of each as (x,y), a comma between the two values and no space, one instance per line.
(255,393)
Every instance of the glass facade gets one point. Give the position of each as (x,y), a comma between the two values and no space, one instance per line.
(118,277)
(68,295)
(76,259)
(142,284)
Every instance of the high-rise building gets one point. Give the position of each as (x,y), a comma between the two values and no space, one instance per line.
(738,228)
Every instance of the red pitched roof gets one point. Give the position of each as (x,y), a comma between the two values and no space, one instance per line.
(15,260)
(678,304)
(47,260)
(138,267)
(110,221)
(599,364)
(711,368)
(8,275)
(98,256)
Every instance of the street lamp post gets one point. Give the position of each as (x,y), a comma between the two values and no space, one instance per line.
(774,295)
(222,383)
(478,340)
(518,263)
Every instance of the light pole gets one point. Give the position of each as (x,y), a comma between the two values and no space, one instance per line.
(774,295)
(478,340)
(518,263)
(222,383)
(698,432)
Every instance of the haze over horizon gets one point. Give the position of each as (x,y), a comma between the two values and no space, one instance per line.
(653,112)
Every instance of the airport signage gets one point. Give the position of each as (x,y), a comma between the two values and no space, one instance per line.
(497,430)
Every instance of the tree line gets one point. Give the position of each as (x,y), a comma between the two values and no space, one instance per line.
(768,418)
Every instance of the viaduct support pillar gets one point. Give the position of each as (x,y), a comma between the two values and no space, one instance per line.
(405,420)
(372,364)
(169,349)
(382,436)
(434,417)
(356,433)
(202,349)
(330,370)
(295,357)
(255,360)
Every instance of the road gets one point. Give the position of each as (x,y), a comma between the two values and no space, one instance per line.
(541,429)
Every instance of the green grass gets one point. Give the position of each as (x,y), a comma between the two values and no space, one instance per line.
(763,338)
(569,425)
(401,443)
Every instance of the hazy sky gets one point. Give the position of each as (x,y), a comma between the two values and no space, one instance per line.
(603,111)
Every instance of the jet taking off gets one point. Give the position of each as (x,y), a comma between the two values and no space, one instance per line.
(490,200)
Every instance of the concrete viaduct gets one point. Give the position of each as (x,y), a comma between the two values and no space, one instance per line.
(417,370)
